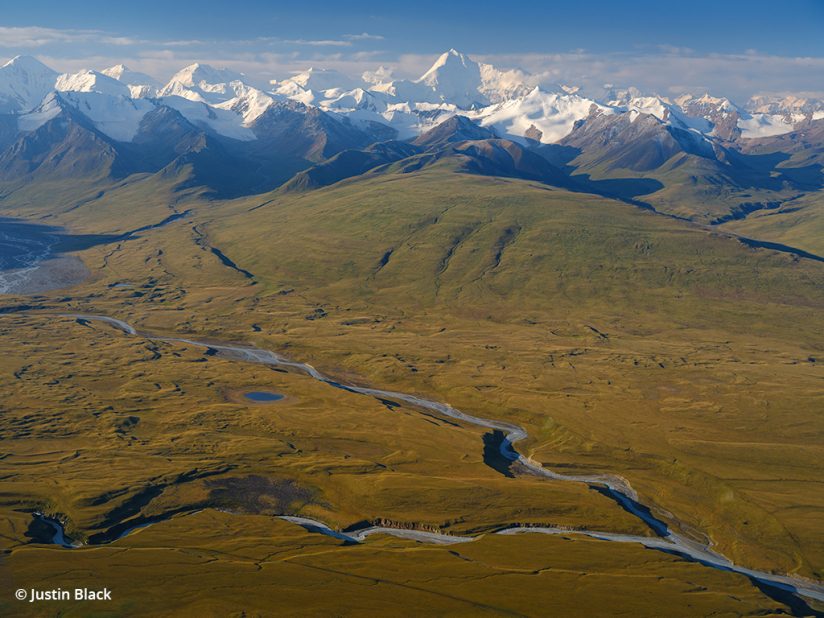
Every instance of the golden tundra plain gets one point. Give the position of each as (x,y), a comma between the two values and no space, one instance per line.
(622,341)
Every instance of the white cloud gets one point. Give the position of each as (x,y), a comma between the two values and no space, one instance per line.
(318,42)
(29,37)
(363,36)
(737,76)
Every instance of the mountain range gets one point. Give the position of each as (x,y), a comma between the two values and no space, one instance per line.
(699,158)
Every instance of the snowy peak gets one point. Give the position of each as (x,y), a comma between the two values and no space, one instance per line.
(196,74)
(248,102)
(355,99)
(633,100)
(652,105)
(140,85)
(381,75)
(793,109)
(91,81)
(28,64)
(103,101)
(499,85)
(706,102)
(540,116)
(117,71)
(688,117)
(449,64)
(455,78)
(322,79)
(216,99)
(722,115)
(204,83)
(24,81)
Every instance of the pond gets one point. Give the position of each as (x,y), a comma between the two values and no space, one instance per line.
(263,396)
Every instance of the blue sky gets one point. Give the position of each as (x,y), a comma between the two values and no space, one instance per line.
(734,48)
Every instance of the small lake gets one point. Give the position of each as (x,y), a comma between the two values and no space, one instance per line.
(263,396)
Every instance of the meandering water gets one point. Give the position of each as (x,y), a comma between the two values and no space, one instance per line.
(22,248)
(27,251)
(617,487)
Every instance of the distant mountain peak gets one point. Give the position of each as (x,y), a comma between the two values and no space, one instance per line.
(203,83)
(456,78)
(452,61)
(91,81)
(140,85)
(24,81)
(198,72)
(381,75)
(28,63)
(317,79)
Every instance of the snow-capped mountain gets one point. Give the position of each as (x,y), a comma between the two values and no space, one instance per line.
(722,114)
(768,116)
(107,102)
(203,83)
(513,103)
(498,85)
(24,81)
(454,78)
(540,116)
(91,81)
(318,80)
(217,99)
(140,85)
(791,107)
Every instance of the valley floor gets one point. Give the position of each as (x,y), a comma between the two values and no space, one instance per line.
(683,361)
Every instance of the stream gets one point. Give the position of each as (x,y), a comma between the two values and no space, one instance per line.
(22,249)
(615,487)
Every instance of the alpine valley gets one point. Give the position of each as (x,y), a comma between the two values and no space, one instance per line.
(470,343)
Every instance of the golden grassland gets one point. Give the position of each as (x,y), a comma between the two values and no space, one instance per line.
(98,421)
(217,564)
(623,341)
(89,437)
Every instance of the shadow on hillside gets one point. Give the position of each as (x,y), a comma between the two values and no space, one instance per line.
(620,188)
